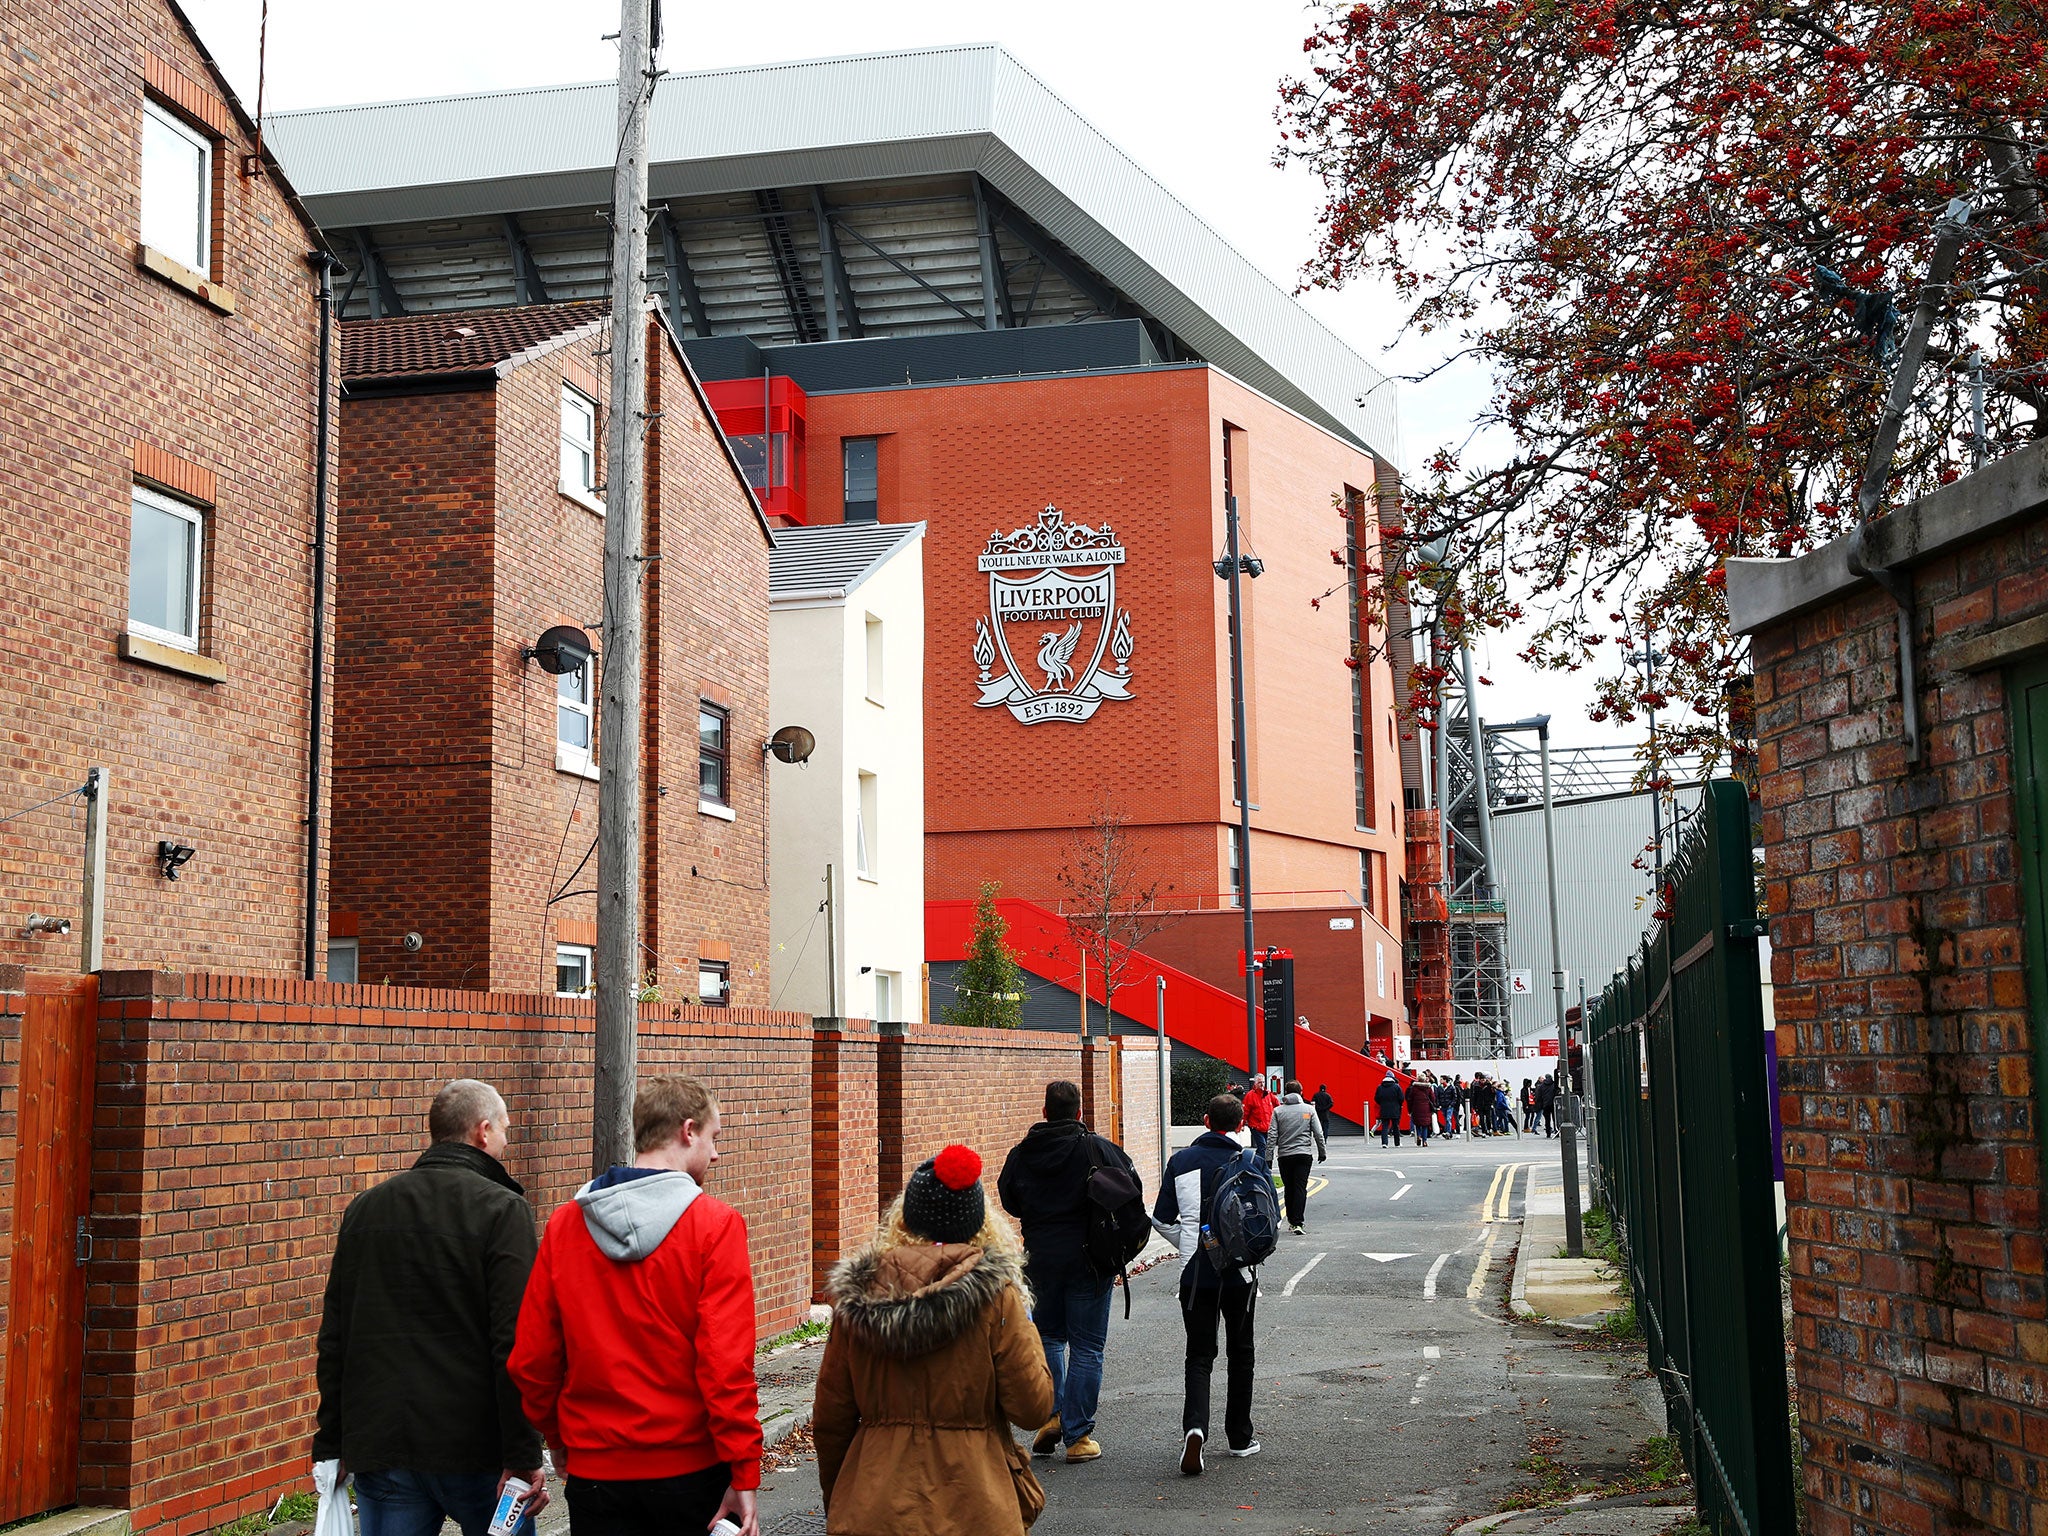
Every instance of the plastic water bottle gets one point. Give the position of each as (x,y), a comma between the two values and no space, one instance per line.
(511,1507)
(725,1528)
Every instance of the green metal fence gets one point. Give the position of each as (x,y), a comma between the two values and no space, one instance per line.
(1684,1160)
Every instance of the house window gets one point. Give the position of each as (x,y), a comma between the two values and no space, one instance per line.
(572,970)
(874,628)
(166,552)
(1236,871)
(344,960)
(579,446)
(888,997)
(1365,881)
(865,827)
(714,983)
(177,188)
(574,736)
(714,757)
(858,456)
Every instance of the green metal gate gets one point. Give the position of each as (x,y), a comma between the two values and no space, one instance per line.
(1684,1151)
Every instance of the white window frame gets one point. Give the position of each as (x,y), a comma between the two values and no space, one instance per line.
(569,757)
(582,954)
(867,814)
(723,976)
(722,807)
(888,997)
(193,136)
(585,494)
(353,948)
(194,589)
(872,634)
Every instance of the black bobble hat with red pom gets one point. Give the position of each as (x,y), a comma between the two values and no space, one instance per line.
(944,1200)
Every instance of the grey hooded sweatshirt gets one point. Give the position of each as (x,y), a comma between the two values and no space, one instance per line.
(629,1211)
(1296,1130)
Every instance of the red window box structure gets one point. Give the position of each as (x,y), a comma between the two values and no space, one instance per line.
(764,420)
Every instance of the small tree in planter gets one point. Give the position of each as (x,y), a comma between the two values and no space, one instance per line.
(989,989)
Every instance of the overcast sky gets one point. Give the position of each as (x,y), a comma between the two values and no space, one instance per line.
(1187,90)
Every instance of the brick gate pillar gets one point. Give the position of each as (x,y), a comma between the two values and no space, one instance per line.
(845,1142)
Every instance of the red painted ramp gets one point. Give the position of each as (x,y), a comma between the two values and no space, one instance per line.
(1198,1015)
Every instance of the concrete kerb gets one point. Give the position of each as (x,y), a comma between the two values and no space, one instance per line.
(1567,1293)
(1631,1514)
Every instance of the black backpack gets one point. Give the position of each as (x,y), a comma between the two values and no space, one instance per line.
(1244,1218)
(1118,1227)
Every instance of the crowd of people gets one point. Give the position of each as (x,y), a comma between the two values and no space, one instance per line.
(1450,1106)
(454,1345)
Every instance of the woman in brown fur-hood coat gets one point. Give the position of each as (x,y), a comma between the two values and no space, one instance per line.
(932,1357)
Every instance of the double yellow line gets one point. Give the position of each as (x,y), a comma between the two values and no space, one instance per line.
(1500,1194)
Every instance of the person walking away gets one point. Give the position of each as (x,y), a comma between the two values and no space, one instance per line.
(1446,1108)
(1503,1116)
(1212,1287)
(1528,1105)
(932,1357)
(1546,1104)
(1324,1102)
(1298,1145)
(1421,1110)
(1258,1116)
(635,1353)
(1044,1184)
(1387,1100)
(421,1305)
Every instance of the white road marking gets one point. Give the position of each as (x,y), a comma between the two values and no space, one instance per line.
(1397,1194)
(1420,1382)
(1429,1285)
(1387,1258)
(1431,1352)
(1311,1264)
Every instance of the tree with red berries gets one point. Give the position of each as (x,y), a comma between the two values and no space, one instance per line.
(1689,241)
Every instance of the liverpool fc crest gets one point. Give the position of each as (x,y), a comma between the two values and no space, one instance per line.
(1052,623)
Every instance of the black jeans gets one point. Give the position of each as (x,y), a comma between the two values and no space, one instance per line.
(653,1506)
(1294,1178)
(1236,1302)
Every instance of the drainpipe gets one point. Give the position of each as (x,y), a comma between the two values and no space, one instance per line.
(323,431)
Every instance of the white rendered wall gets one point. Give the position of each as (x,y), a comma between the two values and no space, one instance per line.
(818,679)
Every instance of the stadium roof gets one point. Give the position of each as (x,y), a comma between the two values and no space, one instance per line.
(826,562)
(887,194)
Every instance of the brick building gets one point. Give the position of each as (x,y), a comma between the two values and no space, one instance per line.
(159,377)
(472,526)
(922,288)
(1907,904)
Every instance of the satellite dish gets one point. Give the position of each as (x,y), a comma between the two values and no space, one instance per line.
(792,744)
(560,650)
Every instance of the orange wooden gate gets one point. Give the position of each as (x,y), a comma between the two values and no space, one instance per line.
(45,1334)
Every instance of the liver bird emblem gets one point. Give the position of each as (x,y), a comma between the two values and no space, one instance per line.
(1056,657)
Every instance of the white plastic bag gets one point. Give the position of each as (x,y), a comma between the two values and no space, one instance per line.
(336,1517)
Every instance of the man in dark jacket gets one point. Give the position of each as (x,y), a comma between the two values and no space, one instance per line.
(422,1305)
(1324,1103)
(1387,1100)
(1044,1184)
(1481,1095)
(1186,1196)
(1546,1103)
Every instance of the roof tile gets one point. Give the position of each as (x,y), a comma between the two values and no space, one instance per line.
(461,341)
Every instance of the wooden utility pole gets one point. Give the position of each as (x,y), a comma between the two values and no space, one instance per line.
(618,790)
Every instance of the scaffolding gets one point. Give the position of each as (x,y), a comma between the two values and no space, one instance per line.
(1465,781)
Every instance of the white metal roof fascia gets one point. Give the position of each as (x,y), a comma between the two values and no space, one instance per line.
(832,597)
(888,115)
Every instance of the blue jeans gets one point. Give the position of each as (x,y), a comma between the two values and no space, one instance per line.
(1072,1314)
(401,1503)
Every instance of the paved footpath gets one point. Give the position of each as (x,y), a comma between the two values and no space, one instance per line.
(1396,1392)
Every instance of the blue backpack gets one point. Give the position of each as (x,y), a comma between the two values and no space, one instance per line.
(1244,1218)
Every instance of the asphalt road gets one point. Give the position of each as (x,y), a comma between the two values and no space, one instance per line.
(1394,1394)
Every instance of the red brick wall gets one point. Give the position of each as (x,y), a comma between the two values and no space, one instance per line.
(413,706)
(942,1083)
(237,1118)
(101,357)
(845,1142)
(1906,1078)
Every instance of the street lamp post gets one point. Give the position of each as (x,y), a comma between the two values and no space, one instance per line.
(1567,1127)
(1229,569)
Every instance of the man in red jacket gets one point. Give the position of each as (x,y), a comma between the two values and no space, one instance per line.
(1258,1113)
(635,1353)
